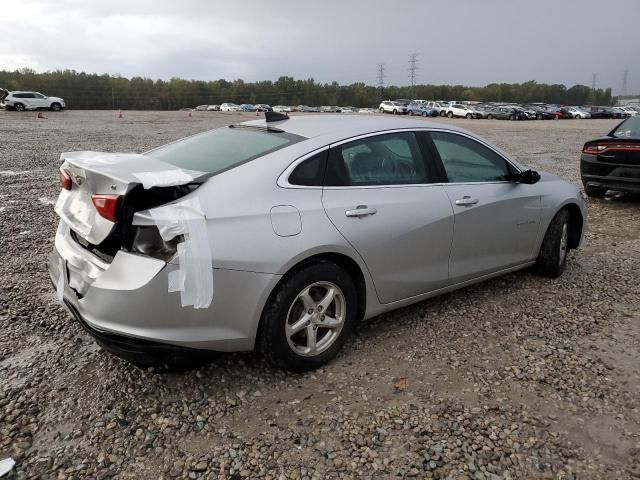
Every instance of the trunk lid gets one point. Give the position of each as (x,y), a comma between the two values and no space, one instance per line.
(134,181)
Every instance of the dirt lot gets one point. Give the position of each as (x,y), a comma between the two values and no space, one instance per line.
(519,377)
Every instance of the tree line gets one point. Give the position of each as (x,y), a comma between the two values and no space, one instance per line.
(92,91)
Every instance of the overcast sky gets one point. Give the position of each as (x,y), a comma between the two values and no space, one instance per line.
(468,42)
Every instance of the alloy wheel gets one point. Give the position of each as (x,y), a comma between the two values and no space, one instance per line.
(315,318)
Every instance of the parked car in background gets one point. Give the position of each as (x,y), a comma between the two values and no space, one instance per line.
(348,109)
(22,100)
(632,112)
(612,162)
(331,253)
(367,110)
(201,108)
(507,113)
(461,111)
(230,107)
(578,113)
(420,109)
(263,107)
(619,112)
(282,109)
(248,107)
(439,108)
(395,108)
(559,113)
(306,108)
(601,112)
(213,108)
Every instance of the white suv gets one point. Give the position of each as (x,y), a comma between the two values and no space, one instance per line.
(392,107)
(230,107)
(21,101)
(459,110)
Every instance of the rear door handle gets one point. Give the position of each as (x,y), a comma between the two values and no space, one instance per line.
(361,211)
(466,201)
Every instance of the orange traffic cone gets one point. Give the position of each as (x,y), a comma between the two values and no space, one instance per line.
(120,114)
(41,115)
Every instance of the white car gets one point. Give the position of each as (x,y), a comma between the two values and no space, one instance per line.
(441,108)
(201,108)
(230,107)
(282,109)
(392,107)
(21,101)
(459,110)
(630,110)
(577,112)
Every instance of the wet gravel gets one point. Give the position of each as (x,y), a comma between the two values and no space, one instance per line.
(519,377)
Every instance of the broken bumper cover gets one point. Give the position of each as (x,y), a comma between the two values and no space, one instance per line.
(129,299)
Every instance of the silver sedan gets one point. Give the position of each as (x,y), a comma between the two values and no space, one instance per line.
(281,234)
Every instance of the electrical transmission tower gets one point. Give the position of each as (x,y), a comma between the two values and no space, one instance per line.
(381,69)
(413,67)
(592,94)
(623,90)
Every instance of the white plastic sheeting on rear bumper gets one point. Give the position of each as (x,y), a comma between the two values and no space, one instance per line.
(194,279)
(167,178)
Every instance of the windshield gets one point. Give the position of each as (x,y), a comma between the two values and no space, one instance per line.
(218,150)
(630,128)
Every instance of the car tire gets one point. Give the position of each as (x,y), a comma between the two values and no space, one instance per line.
(286,349)
(578,117)
(395,112)
(411,112)
(381,110)
(512,117)
(18,107)
(594,192)
(469,116)
(489,117)
(56,107)
(424,114)
(554,251)
(450,115)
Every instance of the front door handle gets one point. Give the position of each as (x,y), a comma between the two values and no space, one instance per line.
(361,211)
(466,201)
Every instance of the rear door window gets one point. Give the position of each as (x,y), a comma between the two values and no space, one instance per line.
(389,159)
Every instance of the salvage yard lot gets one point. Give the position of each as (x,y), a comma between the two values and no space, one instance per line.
(519,377)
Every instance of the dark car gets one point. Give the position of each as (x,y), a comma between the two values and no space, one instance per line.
(601,112)
(540,113)
(613,162)
(506,113)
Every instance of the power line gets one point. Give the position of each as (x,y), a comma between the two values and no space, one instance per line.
(413,67)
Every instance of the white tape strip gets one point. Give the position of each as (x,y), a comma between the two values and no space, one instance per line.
(167,178)
(194,280)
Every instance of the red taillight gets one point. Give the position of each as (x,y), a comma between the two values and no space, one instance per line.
(596,148)
(65,179)
(106,205)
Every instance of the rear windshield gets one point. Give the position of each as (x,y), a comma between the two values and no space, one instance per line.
(630,128)
(218,150)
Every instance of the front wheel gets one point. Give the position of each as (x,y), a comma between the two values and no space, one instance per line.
(490,117)
(578,117)
(56,107)
(552,258)
(309,317)
(395,112)
(450,115)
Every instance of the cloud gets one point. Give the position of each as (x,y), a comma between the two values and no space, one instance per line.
(461,42)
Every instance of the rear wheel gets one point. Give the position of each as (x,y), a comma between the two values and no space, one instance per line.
(56,107)
(309,317)
(552,258)
(19,107)
(424,114)
(411,112)
(450,115)
(469,116)
(490,117)
(578,117)
(512,117)
(395,112)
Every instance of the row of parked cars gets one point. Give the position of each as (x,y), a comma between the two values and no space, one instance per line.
(263,107)
(537,111)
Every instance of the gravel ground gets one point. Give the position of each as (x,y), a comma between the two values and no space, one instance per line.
(519,377)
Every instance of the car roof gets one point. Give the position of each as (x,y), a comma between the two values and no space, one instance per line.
(339,127)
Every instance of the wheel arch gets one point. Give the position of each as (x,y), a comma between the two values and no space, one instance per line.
(576,224)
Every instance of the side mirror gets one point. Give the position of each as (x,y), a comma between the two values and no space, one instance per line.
(528,177)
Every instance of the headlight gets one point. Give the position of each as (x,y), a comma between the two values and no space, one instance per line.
(147,241)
